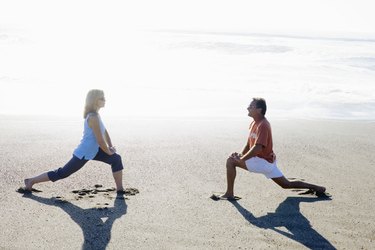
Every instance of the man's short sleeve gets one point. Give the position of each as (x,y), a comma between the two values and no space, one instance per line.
(263,133)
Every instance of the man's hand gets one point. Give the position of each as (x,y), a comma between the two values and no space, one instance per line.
(235,159)
(235,155)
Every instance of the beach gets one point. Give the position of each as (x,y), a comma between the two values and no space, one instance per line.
(176,164)
(178,78)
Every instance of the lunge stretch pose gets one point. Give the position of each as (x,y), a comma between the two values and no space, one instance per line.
(258,156)
(95,145)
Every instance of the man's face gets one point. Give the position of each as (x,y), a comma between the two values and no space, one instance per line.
(252,109)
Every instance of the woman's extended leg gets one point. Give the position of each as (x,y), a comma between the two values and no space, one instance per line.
(29,182)
(72,166)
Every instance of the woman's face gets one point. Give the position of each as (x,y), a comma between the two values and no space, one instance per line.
(101,102)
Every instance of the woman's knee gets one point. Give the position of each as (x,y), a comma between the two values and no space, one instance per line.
(117,163)
(117,158)
(58,174)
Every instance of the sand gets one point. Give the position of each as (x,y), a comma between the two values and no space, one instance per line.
(177,164)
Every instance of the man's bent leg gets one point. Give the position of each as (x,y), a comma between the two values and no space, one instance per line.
(231,176)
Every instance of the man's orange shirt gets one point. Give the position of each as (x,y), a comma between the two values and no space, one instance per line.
(260,133)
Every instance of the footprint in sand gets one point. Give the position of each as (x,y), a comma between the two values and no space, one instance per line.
(106,192)
(90,193)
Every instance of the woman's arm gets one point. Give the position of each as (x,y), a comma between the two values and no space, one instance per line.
(109,142)
(108,139)
(94,125)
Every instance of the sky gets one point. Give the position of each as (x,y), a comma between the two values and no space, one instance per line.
(52,52)
(286,15)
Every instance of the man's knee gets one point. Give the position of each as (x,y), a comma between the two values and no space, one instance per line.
(231,163)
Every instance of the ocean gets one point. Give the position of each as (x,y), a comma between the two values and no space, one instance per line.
(181,73)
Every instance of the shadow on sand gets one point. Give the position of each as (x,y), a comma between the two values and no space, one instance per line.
(289,216)
(96,230)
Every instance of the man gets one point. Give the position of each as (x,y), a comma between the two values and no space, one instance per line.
(258,155)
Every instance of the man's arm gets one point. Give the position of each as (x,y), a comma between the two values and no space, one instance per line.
(245,149)
(254,151)
(243,152)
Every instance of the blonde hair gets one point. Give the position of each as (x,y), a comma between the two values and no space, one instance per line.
(91,101)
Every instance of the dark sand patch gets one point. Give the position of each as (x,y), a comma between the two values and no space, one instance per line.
(316,193)
(100,190)
(23,190)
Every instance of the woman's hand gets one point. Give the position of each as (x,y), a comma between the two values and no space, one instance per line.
(112,149)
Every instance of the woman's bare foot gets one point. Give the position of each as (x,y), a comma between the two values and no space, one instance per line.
(28,184)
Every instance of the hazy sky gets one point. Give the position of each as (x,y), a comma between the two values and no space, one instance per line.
(53,49)
(304,15)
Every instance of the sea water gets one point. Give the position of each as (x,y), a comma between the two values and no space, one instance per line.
(299,76)
(190,73)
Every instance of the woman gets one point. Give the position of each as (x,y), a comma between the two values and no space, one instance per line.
(95,145)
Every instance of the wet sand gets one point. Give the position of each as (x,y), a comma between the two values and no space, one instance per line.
(177,164)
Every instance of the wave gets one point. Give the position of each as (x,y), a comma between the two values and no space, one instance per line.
(232,48)
(338,37)
(361,62)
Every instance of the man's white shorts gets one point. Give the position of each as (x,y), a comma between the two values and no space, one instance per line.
(261,166)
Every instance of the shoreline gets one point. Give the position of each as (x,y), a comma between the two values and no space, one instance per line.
(18,117)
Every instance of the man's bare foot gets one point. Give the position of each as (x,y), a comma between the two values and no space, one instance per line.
(28,184)
(227,196)
(320,189)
